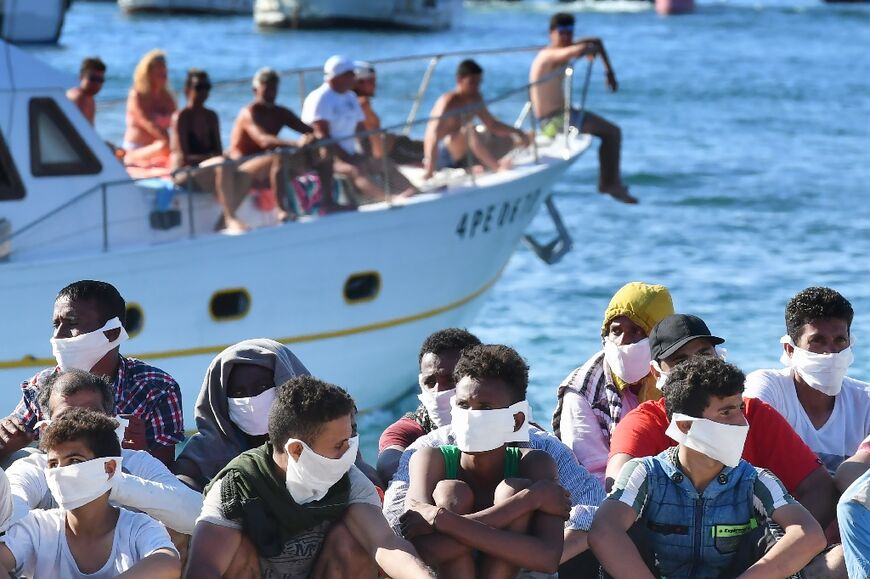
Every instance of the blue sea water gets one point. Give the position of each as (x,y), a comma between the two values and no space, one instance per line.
(746,132)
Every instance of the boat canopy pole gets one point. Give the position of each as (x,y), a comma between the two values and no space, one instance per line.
(421,92)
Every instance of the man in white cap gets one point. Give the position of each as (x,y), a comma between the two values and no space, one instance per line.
(333,111)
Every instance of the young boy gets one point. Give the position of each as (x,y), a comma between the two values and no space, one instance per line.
(698,509)
(86,536)
(287,494)
(485,494)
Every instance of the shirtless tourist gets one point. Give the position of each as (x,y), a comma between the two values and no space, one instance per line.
(256,131)
(195,144)
(548,99)
(446,138)
(92,75)
(400,148)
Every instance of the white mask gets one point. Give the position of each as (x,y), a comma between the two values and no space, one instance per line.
(631,362)
(824,372)
(722,442)
(76,485)
(251,414)
(663,376)
(482,430)
(122,428)
(83,351)
(437,404)
(311,476)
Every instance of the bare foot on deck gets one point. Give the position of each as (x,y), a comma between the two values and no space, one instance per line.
(409,192)
(505,164)
(234,226)
(284,216)
(620,193)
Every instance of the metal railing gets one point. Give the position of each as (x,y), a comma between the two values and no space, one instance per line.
(186,174)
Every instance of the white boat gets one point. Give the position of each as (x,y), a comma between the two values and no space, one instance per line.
(353,294)
(187,6)
(412,14)
(32,21)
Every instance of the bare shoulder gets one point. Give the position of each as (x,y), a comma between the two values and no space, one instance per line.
(536,464)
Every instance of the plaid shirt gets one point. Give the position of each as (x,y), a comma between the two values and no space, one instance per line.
(140,390)
(586,492)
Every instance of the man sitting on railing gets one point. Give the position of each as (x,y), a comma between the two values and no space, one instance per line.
(333,111)
(195,144)
(548,99)
(256,131)
(400,148)
(450,135)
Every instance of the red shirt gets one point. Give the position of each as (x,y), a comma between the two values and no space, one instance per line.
(771,442)
(402,433)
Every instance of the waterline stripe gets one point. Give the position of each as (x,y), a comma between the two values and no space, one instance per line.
(30,362)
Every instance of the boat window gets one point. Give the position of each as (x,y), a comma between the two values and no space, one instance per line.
(229,304)
(362,287)
(56,148)
(135,319)
(10,182)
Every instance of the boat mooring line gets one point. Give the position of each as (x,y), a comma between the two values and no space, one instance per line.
(30,362)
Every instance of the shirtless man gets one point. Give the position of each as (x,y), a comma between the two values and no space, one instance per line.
(445,142)
(400,148)
(548,99)
(92,74)
(195,143)
(256,131)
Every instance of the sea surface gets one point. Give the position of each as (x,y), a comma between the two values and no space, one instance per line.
(746,131)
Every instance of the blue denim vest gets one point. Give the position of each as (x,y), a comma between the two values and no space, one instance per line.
(692,535)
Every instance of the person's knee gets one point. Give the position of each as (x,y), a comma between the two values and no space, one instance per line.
(510,487)
(344,555)
(454,495)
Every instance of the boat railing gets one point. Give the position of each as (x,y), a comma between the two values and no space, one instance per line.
(173,208)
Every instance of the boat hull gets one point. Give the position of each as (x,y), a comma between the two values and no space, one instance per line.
(215,7)
(435,259)
(415,14)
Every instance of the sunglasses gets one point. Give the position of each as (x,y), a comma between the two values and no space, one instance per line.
(96,78)
(565,29)
(199,87)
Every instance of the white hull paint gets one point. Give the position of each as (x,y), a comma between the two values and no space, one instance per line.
(32,21)
(436,258)
(188,6)
(415,14)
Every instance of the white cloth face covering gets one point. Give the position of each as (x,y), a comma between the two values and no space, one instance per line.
(311,476)
(483,430)
(823,372)
(722,442)
(631,362)
(82,352)
(75,485)
(251,413)
(439,405)
(663,376)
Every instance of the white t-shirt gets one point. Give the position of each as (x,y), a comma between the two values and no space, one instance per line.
(38,542)
(840,436)
(340,110)
(298,556)
(145,484)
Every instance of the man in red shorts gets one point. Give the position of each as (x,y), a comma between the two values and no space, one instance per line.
(771,443)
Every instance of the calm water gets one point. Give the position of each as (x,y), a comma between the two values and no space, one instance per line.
(746,137)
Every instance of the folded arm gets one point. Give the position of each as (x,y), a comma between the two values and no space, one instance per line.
(161,564)
(803,540)
(396,556)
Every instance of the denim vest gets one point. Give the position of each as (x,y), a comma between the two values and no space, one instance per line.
(692,535)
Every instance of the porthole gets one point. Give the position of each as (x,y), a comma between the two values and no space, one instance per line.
(135,319)
(229,304)
(362,287)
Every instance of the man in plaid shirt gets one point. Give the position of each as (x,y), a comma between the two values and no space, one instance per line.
(88,329)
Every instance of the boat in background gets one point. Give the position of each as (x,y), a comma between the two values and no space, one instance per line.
(32,21)
(673,7)
(216,7)
(409,14)
(353,293)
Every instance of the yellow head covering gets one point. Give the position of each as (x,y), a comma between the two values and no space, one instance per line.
(645,305)
(642,303)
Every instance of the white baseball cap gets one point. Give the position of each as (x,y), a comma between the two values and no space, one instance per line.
(337,65)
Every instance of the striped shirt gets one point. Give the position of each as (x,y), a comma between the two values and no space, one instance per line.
(140,390)
(586,492)
(632,488)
